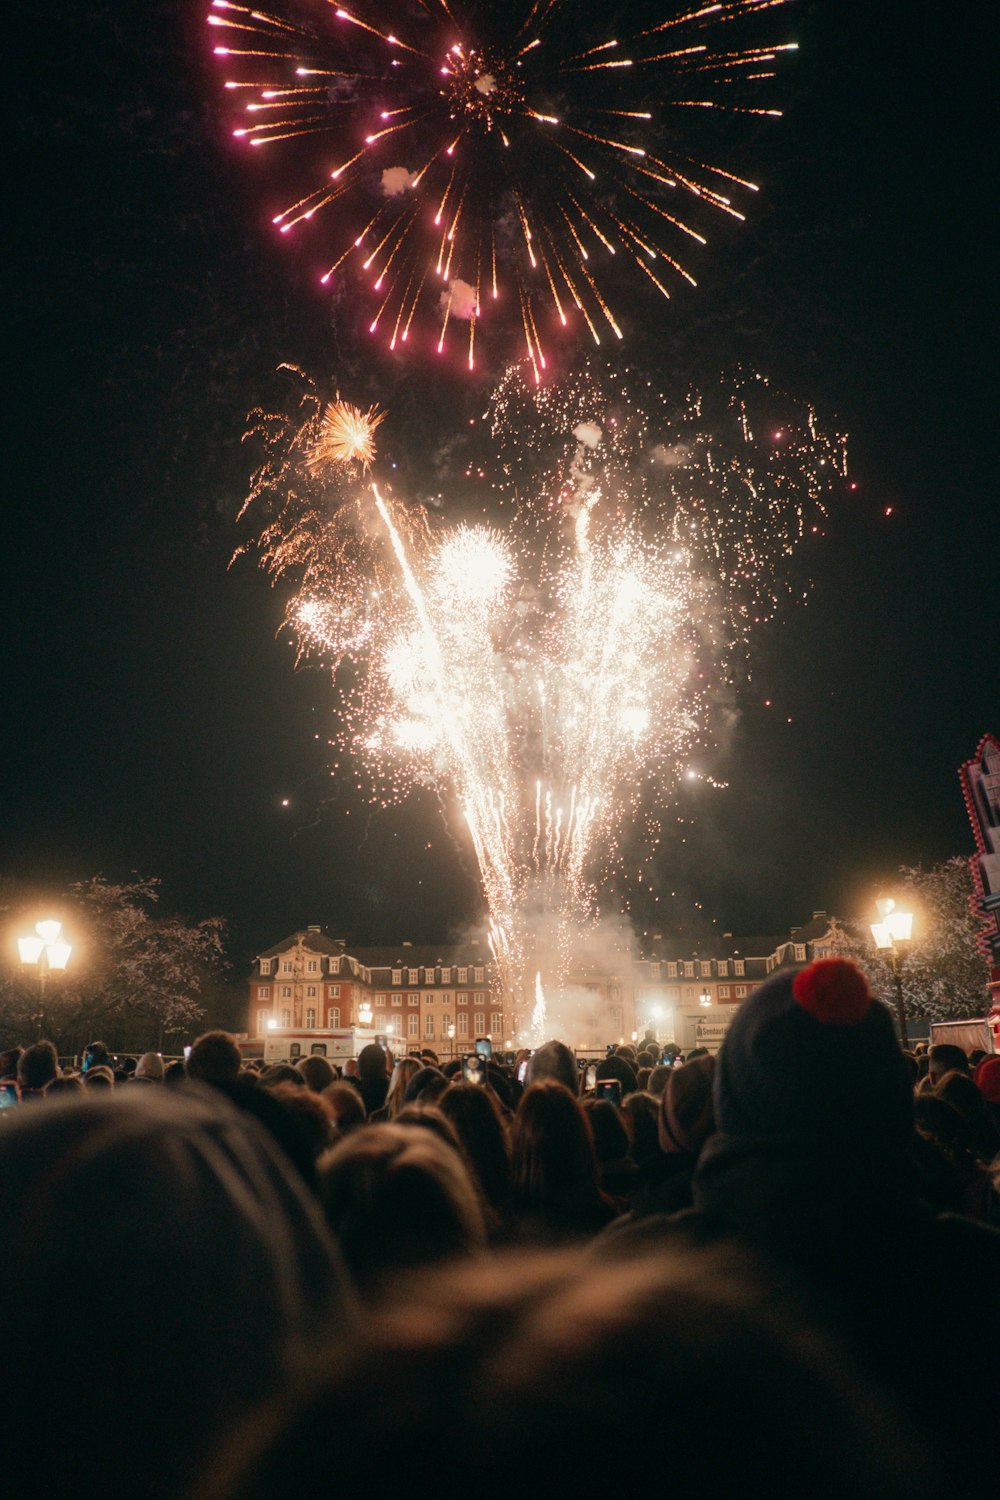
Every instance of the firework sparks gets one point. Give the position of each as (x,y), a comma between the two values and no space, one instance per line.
(346,435)
(552,669)
(469,162)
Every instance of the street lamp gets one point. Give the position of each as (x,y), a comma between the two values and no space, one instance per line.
(43,950)
(705,999)
(892,936)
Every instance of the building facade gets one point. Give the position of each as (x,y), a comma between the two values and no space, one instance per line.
(444,996)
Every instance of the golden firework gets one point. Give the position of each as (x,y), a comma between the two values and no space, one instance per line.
(346,436)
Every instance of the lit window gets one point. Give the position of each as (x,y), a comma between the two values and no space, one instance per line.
(428,1025)
(333,1017)
(335,966)
(286,967)
(397,976)
(413,998)
(671,971)
(480,1022)
(312,966)
(263,992)
(263,1016)
(800,953)
(738,966)
(265,966)
(706,970)
(689,970)
(741,990)
(463,976)
(478,976)
(723,967)
(413,1025)
(446,976)
(654,971)
(310,1020)
(414,976)
(724,991)
(463,1023)
(333,991)
(397,998)
(286,1018)
(286,992)
(445,999)
(310,992)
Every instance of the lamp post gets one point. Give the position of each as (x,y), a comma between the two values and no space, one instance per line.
(892,936)
(43,951)
(705,999)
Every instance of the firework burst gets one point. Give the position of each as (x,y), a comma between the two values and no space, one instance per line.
(552,668)
(346,435)
(475,160)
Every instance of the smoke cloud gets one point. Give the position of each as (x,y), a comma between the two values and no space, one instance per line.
(463,299)
(396,180)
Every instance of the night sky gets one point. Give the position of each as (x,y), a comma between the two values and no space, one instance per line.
(152,720)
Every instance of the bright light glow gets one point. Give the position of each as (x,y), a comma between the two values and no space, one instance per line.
(49,930)
(58,955)
(30,949)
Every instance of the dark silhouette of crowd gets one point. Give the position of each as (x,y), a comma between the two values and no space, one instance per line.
(775,1271)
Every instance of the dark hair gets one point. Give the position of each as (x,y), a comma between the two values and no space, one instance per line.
(398,1198)
(347,1105)
(37,1065)
(553,1160)
(316,1072)
(69,1083)
(611,1141)
(474,1113)
(642,1114)
(372,1062)
(959,1090)
(946,1058)
(427,1084)
(9,1061)
(618,1067)
(214,1058)
(556,1061)
(97,1053)
(658,1079)
(99,1077)
(534,1357)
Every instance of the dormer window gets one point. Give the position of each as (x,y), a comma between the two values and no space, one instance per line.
(265,966)
(800,953)
(463,976)
(414,975)
(446,976)
(397,976)
(335,966)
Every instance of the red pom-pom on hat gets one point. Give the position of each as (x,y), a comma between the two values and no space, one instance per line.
(834,991)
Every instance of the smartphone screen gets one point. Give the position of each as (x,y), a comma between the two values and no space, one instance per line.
(474,1068)
(8,1095)
(610,1088)
(591,1078)
(484,1047)
(522,1069)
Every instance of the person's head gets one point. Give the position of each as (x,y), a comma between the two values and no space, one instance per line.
(150,1067)
(311,1114)
(645,1059)
(405,1069)
(812,1059)
(98,1077)
(351,1069)
(426,1085)
(987,1079)
(686,1115)
(640,1112)
(552,1148)
(398,1198)
(316,1072)
(475,1114)
(347,1106)
(642,1079)
(554,1060)
(175,1073)
(944,1058)
(112,1203)
(281,1072)
(611,1141)
(37,1066)
(96,1055)
(658,1080)
(959,1090)
(67,1083)
(430,1057)
(536,1358)
(372,1063)
(9,1061)
(617,1066)
(214,1058)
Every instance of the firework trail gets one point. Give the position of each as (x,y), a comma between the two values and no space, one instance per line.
(477,163)
(553,668)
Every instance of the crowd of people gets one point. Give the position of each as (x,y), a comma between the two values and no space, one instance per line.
(772,1271)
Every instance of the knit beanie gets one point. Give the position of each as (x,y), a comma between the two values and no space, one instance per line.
(811,1057)
(987,1079)
(686,1117)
